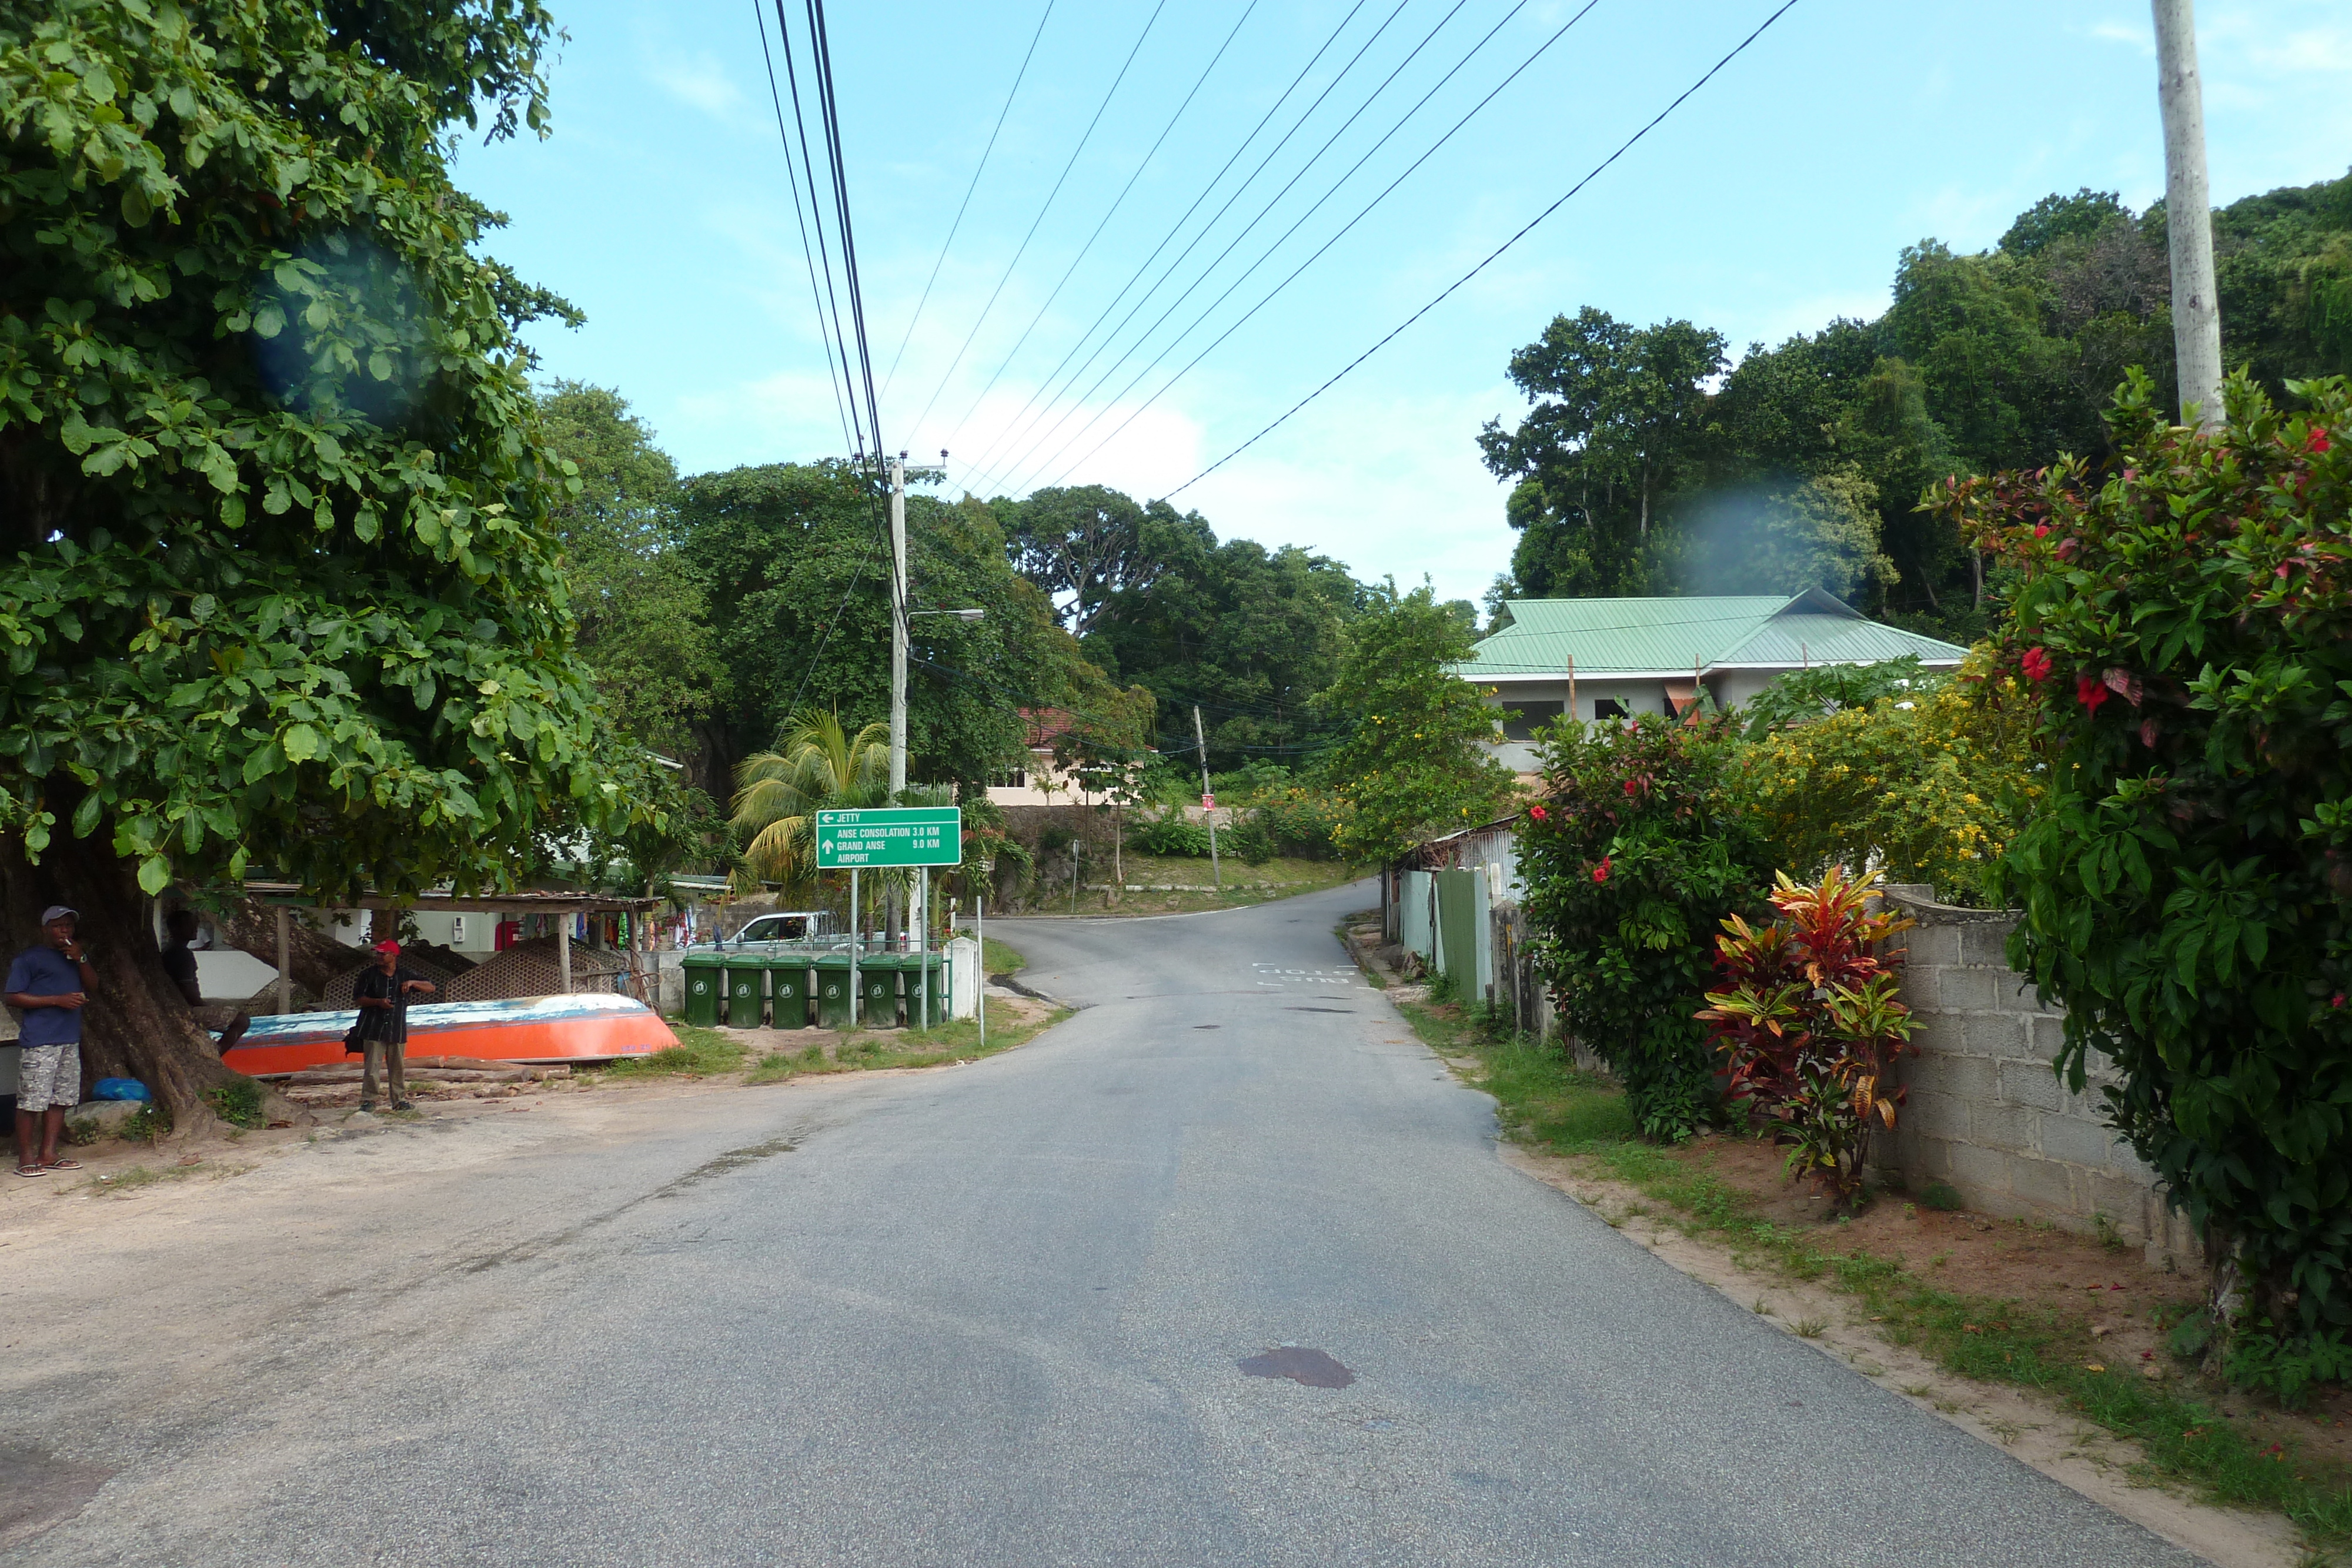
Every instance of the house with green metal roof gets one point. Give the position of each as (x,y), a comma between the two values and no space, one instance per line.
(1603,658)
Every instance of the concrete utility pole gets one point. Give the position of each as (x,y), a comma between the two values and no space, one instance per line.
(1208,807)
(2187,207)
(898,626)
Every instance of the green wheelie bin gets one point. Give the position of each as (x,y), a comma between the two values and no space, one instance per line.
(937,982)
(744,972)
(832,997)
(788,989)
(878,988)
(704,986)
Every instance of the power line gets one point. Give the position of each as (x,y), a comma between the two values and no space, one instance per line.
(1014,428)
(840,344)
(1317,254)
(1112,211)
(830,107)
(808,254)
(1245,230)
(968,189)
(1042,209)
(1490,259)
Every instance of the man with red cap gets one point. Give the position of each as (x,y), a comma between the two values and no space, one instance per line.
(383,996)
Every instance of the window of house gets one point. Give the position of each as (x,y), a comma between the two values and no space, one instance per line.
(1017,778)
(1608,708)
(1532,716)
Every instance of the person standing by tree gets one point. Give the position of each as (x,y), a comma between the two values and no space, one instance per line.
(180,963)
(383,998)
(50,981)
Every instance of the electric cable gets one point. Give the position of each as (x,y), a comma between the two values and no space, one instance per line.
(1320,250)
(808,252)
(800,121)
(1015,426)
(1018,343)
(1047,206)
(944,244)
(1245,230)
(830,106)
(1483,264)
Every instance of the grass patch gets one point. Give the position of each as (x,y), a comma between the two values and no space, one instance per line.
(1545,1101)
(149,1124)
(698,1051)
(996,958)
(934,1046)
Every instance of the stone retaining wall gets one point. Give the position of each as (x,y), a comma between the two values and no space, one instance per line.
(1986,1111)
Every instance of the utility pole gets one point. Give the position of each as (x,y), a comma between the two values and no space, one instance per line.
(1208,800)
(898,626)
(2187,210)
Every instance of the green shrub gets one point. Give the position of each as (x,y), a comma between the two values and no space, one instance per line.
(237,1103)
(1632,860)
(1168,835)
(148,1124)
(1941,1196)
(1247,841)
(1307,823)
(2187,622)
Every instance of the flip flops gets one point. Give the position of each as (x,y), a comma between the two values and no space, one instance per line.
(64,1165)
(32,1171)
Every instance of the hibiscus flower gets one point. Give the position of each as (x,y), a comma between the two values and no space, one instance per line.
(2037,665)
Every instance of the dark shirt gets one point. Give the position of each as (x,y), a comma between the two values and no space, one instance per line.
(376,1023)
(46,972)
(181,964)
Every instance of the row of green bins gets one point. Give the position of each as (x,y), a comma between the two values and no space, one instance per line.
(780,989)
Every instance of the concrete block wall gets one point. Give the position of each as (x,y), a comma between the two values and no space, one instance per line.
(1986,1111)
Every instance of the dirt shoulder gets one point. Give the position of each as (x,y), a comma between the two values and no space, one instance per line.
(117,1170)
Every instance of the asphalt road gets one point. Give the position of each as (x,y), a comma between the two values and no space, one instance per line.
(990,1315)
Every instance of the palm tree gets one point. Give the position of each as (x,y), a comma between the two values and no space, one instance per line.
(818,765)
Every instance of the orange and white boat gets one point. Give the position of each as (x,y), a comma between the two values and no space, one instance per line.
(598,1026)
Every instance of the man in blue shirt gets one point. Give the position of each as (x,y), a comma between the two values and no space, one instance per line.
(48,983)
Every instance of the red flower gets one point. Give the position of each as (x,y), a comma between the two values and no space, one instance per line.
(2338,1001)
(1630,785)
(2037,665)
(2041,530)
(2316,441)
(1539,813)
(1601,871)
(2090,691)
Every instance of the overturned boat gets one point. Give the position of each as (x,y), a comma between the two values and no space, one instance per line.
(599,1026)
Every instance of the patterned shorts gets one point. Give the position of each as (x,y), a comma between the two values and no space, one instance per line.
(50,1075)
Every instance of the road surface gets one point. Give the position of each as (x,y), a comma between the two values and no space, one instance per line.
(988,1314)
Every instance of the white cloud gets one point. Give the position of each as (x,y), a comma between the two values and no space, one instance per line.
(2136,36)
(701,82)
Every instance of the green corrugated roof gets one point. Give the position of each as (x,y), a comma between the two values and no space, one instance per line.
(1648,636)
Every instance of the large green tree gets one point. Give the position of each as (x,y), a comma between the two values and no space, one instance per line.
(1619,417)
(279,590)
(796,561)
(642,611)
(1249,634)
(1415,760)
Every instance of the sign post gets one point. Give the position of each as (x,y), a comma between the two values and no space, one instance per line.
(889,837)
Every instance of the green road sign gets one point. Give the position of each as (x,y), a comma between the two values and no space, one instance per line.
(896,835)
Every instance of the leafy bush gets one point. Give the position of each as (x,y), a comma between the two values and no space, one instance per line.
(1307,823)
(1928,778)
(1247,840)
(150,1123)
(1634,856)
(2285,1365)
(1168,835)
(2187,619)
(1809,1023)
(237,1102)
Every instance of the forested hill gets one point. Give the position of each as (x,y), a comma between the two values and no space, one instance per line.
(1645,468)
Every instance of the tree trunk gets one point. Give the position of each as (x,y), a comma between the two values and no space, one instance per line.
(1976,560)
(137,1024)
(1645,500)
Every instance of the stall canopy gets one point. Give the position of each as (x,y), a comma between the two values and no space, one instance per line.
(288,895)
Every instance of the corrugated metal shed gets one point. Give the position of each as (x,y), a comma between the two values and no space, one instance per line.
(1665,637)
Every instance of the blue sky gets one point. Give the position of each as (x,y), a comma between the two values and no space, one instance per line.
(1776,198)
